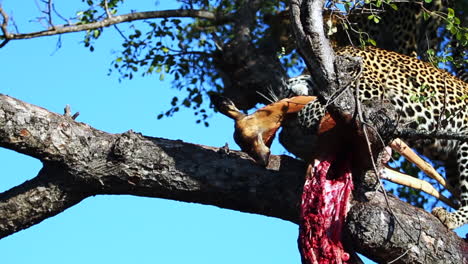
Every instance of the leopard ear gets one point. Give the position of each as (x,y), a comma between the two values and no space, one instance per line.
(226,107)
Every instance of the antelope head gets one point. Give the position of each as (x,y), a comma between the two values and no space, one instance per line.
(254,133)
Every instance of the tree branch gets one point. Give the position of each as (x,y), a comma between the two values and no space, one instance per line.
(80,161)
(311,40)
(4,27)
(48,194)
(376,233)
(109,21)
(331,74)
(409,133)
(103,163)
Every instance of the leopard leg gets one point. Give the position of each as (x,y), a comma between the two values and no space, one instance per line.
(459,217)
(397,177)
(401,147)
(309,117)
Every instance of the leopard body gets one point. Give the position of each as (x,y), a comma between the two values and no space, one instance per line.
(426,99)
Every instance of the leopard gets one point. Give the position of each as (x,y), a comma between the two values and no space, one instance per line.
(425,98)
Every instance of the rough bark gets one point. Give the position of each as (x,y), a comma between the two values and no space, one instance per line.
(87,161)
(405,234)
(80,161)
(332,74)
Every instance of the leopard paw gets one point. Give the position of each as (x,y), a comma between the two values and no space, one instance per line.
(445,217)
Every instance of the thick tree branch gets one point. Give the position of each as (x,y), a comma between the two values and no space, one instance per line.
(80,161)
(406,233)
(331,74)
(109,21)
(129,163)
(48,194)
(311,39)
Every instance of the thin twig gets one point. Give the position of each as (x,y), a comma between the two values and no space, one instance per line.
(399,257)
(49,13)
(374,166)
(120,32)
(60,16)
(341,91)
(4,27)
(106,7)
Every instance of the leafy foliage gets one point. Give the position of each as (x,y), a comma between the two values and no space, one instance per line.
(453,54)
(182,48)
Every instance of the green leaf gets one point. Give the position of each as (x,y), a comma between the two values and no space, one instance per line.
(450,13)
(361,41)
(428,1)
(454,30)
(186,102)
(347,6)
(449,27)
(174,100)
(198,99)
(426,15)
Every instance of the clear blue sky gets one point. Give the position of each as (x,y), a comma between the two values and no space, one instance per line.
(122,229)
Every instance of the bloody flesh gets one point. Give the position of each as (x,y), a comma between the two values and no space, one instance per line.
(325,203)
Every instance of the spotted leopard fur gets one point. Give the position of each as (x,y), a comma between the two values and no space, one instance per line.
(425,97)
